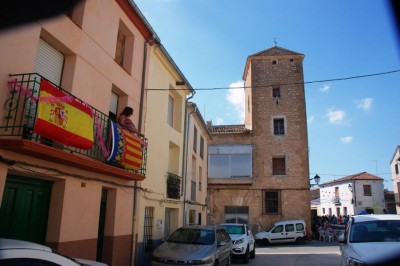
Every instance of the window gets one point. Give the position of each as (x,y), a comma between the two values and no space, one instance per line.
(279,166)
(170,118)
(300,227)
(75,13)
(112,112)
(200,177)
(201,147)
(124,47)
(274,62)
(277,229)
(323,210)
(193,191)
(237,214)
(367,190)
(276,92)
(279,126)
(272,202)
(289,227)
(148,229)
(194,139)
(227,161)
(192,217)
(344,210)
(396,169)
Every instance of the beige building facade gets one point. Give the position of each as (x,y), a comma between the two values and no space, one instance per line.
(161,197)
(395,166)
(51,193)
(195,183)
(258,172)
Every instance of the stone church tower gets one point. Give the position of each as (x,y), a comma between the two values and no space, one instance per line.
(275,130)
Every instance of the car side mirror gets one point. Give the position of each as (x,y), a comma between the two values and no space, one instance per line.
(342,239)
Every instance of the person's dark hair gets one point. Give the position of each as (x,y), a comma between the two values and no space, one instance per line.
(127,111)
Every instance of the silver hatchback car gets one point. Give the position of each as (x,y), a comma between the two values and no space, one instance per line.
(195,245)
(371,240)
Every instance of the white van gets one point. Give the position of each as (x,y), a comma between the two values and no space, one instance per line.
(283,232)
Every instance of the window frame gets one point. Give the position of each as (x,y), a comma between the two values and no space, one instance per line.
(223,161)
(279,128)
(367,190)
(276,201)
(278,170)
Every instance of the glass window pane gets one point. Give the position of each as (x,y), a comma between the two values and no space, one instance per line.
(218,166)
(241,165)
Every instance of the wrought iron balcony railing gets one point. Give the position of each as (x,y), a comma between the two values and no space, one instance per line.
(173,186)
(21,112)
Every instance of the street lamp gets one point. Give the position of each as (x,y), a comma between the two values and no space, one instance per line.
(316,178)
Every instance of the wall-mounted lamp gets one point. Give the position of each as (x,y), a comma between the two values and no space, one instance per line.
(350,187)
(316,178)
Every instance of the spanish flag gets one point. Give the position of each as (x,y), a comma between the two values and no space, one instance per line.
(63,119)
(126,148)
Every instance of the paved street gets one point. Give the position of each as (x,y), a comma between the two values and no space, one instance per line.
(309,254)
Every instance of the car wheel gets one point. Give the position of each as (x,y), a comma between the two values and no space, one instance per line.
(299,241)
(246,256)
(265,242)
(253,253)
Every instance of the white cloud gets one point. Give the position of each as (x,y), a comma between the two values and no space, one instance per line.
(335,117)
(310,119)
(325,88)
(235,96)
(364,104)
(219,121)
(347,139)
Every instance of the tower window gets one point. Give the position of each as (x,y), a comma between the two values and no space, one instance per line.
(276,92)
(279,126)
(274,62)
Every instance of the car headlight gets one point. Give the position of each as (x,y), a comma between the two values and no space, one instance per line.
(239,241)
(355,262)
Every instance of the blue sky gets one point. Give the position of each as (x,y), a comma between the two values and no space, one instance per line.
(353,125)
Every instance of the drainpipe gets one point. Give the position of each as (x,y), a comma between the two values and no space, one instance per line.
(184,156)
(137,184)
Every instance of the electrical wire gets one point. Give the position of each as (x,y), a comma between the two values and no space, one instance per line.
(285,84)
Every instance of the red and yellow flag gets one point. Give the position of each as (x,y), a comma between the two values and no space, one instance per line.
(63,119)
(132,157)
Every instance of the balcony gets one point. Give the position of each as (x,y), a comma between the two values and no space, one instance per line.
(336,201)
(17,132)
(173,186)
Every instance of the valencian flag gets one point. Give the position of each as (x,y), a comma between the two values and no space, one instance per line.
(63,119)
(126,149)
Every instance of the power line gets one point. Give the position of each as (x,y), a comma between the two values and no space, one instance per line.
(286,84)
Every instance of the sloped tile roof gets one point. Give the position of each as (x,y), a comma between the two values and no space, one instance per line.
(359,176)
(228,129)
(274,51)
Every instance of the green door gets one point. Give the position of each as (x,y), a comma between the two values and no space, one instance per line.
(24,209)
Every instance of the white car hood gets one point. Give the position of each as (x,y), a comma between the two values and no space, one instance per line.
(375,251)
(236,237)
(179,251)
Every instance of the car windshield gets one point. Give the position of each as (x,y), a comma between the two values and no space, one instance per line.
(375,231)
(192,236)
(234,229)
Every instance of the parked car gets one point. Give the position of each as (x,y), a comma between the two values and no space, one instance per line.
(18,252)
(283,232)
(242,240)
(371,240)
(195,245)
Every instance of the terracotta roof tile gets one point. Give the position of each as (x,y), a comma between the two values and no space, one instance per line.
(359,176)
(228,129)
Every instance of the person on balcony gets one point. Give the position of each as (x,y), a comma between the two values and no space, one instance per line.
(124,119)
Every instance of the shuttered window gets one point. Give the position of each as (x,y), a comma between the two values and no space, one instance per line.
(272,202)
(119,52)
(279,166)
(49,62)
(113,106)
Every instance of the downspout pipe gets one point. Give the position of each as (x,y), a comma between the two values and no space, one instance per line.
(184,155)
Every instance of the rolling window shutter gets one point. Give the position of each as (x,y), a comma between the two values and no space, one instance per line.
(49,62)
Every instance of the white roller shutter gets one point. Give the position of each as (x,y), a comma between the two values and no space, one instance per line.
(49,62)
(114,103)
